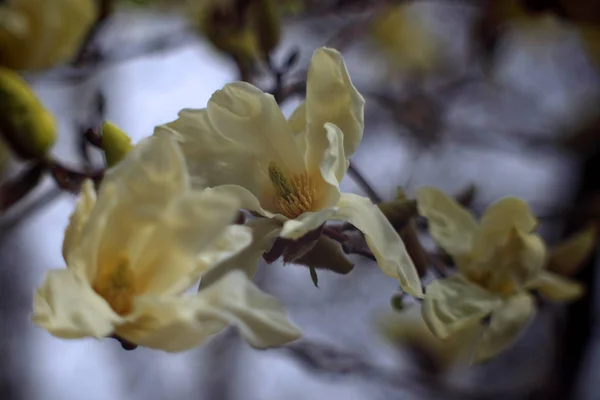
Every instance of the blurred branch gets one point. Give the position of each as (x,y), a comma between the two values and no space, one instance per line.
(364,184)
(324,359)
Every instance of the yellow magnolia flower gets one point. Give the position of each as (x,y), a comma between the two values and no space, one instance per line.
(290,170)
(40,34)
(134,248)
(499,260)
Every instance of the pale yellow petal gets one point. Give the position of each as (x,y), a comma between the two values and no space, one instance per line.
(152,172)
(169,323)
(248,201)
(297,121)
(78,219)
(211,158)
(260,318)
(306,222)
(333,164)
(499,220)
(556,288)
(453,304)
(67,307)
(244,114)
(450,225)
(233,240)
(506,324)
(385,243)
(264,233)
(84,256)
(171,259)
(331,97)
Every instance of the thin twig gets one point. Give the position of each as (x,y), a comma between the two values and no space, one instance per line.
(364,184)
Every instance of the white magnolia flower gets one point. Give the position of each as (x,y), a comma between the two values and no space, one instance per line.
(133,249)
(499,261)
(290,170)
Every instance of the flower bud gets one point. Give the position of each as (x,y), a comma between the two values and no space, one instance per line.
(115,143)
(267,22)
(25,124)
(41,34)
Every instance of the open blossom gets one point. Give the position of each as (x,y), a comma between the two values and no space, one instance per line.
(40,34)
(137,245)
(499,260)
(290,170)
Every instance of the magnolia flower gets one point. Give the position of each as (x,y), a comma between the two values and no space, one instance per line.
(290,170)
(134,247)
(499,261)
(40,34)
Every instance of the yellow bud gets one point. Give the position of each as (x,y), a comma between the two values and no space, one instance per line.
(115,143)
(568,256)
(25,124)
(41,34)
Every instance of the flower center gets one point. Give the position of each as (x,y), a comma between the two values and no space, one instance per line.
(294,195)
(116,285)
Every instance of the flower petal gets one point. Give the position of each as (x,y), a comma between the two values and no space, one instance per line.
(78,219)
(506,324)
(243,113)
(556,288)
(180,323)
(169,261)
(261,319)
(306,222)
(499,220)
(67,307)
(333,164)
(331,97)
(152,172)
(453,304)
(264,233)
(248,201)
(382,239)
(451,226)
(211,158)
(233,240)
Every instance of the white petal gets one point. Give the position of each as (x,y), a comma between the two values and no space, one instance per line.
(230,243)
(78,219)
(451,226)
(453,304)
(333,164)
(211,158)
(306,222)
(506,324)
(67,307)
(169,263)
(331,97)
(264,233)
(556,288)
(248,201)
(382,239)
(261,319)
(243,113)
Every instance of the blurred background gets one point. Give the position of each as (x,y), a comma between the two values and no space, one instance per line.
(480,98)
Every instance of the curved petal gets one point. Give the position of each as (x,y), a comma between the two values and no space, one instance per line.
(248,201)
(309,221)
(333,164)
(331,97)
(382,239)
(152,172)
(168,323)
(211,158)
(499,220)
(506,324)
(169,262)
(451,226)
(67,307)
(233,240)
(556,288)
(243,113)
(78,219)
(264,233)
(261,319)
(453,304)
